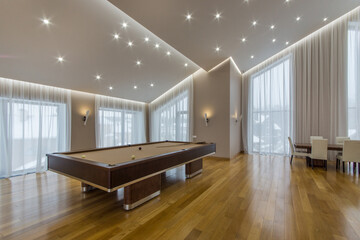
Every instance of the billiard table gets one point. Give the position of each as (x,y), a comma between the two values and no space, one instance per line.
(136,168)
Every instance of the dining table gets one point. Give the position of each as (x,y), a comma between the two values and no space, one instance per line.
(307,147)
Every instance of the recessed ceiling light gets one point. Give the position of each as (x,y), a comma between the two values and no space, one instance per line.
(325,19)
(252,56)
(287,1)
(287,43)
(217,49)
(168,53)
(135,87)
(130,43)
(116,36)
(217,16)
(110,88)
(188,17)
(138,62)
(46,21)
(151,84)
(185,64)
(146,39)
(98,77)
(254,23)
(243,39)
(157,45)
(60,59)
(298,18)
(274,40)
(124,25)
(272,26)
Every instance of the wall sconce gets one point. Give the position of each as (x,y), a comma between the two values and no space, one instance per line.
(85,118)
(206,119)
(235,117)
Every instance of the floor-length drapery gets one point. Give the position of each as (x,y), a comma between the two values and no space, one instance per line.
(320,82)
(119,121)
(171,114)
(34,120)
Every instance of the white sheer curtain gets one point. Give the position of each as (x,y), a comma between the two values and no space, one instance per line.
(34,120)
(171,114)
(119,121)
(270,115)
(353,70)
(320,85)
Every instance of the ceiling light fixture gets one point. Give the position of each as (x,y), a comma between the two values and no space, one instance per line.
(60,59)
(325,19)
(151,84)
(217,49)
(243,39)
(254,23)
(168,53)
(287,1)
(188,17)
(130,43)
(287,43)
(135,87)
(272,26)
(46,21)
(252,56)
(146,39)
(298,18)
(185,64)
(116,36)
(124,25)
(157,45)
(138,62)
(98,77)
(217,15)
(274,40)
(110,88)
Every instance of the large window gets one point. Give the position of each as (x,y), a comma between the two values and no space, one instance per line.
(29,131)
(174,123)
(119,121)
(270,109)
(353,80)
(171,113)
(119,127)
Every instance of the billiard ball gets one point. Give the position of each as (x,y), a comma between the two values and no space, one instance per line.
(83,156)
(140,148)
(133,157)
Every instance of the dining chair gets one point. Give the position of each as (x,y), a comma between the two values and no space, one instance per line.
(351,153)
(319,151)
(315,137)
(294,153)
(340,141)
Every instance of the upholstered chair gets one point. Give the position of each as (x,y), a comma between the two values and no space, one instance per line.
(294,153)
(319,151)
(351,153)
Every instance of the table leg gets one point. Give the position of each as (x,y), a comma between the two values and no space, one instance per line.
(86,187)
(141,192)
(194,168)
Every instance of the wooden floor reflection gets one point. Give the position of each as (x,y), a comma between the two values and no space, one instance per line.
(251,196)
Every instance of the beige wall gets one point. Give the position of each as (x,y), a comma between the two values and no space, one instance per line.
(217,93)
(82,137)
(211,96)
(235,110)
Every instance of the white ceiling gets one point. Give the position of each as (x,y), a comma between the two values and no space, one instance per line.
(82,32)
(198,38)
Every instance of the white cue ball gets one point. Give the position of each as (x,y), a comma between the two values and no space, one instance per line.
(83,156)
(133,157)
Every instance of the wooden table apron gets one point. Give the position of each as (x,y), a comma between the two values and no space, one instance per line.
(307,146)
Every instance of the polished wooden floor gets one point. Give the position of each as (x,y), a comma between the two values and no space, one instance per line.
(249,197)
